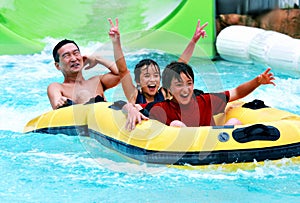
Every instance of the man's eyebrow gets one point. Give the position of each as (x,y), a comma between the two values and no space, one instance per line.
(65,53)
(68,52)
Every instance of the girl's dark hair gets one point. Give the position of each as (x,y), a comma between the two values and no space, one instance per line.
(137,69)
(173,70)
(59,45)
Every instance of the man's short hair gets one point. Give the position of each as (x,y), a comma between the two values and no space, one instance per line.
(59,45)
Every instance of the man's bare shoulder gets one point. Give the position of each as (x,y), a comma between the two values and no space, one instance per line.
(55,85)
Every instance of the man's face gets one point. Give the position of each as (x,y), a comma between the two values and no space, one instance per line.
(70,59)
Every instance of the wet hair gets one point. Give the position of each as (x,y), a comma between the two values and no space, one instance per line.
(58,46)
(173,70)
(142,63)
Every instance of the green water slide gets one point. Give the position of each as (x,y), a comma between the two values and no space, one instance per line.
(174,32)
(24,24)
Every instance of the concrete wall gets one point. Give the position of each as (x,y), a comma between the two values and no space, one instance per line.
(251,7)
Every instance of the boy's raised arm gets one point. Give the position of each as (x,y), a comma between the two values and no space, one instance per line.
(188,52)
(246,88)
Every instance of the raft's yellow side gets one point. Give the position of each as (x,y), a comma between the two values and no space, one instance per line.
(64,117)
(250,116)
(241,165)
(153,135)
(169,144)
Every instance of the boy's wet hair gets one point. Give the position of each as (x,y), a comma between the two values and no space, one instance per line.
(59,45)
(142,63)
(173,70)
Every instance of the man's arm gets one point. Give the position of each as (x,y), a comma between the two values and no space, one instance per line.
(55,96)
(188,52)
(92,60)
(107,80)
(247,87)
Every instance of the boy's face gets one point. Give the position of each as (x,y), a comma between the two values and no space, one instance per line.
(182,90)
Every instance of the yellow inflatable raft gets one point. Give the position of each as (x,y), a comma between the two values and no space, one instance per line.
(266,134)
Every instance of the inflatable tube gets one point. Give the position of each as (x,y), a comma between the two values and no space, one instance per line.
(71,121)
(266,134)
(233,43)
(24,25)
(254,45)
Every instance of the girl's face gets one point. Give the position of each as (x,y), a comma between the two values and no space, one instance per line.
(150,80)
(182,90)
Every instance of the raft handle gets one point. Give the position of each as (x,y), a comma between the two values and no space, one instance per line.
(256,132)
(255,104)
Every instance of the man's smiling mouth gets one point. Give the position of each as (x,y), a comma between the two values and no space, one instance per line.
(75,65)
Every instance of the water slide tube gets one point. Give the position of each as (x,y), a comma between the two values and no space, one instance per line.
(243,44)
(24,25)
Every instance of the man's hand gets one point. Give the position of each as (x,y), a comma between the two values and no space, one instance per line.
(61,101)
(89,62)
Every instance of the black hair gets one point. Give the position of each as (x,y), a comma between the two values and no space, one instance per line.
(137,69)
(173,70)
(59,45)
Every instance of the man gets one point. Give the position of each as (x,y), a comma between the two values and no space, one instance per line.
(75,88)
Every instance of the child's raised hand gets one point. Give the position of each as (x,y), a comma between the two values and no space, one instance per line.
(200,32)
(114,29)
(266,77)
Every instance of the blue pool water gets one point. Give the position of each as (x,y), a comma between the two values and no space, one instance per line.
(59,168)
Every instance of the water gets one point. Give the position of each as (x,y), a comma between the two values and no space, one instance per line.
(58,168)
